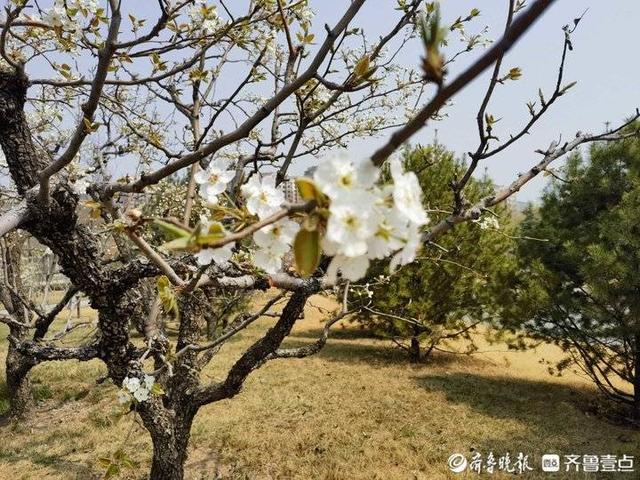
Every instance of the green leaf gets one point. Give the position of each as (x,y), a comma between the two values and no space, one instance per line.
(178,244)
(214,233)
(362,67)
(157,389)
(167,296)
(172,228)
(308,189)
(307,251)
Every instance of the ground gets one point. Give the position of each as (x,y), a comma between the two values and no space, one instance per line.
(357,410)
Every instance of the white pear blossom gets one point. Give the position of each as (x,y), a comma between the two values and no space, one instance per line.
(80,185)
(349,227)
(280,232)
(488,222)
(90,6)
(410,249)
(339,176)
(407,194)
(140,390)
(132,384)
(220,255)
(56,16)
(262,196)
(213,181)
(273,242)
(149,381)
(210,25)
(389,236)
(204,16)
(63,13)
(352,268)
(269,258)
(365,220)
(141,395)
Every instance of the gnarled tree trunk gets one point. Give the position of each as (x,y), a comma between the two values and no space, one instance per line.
(414,350)
(18,383)
(17,365)
(170,437)
(636,380)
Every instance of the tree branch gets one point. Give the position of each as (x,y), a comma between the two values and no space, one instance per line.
(517,29)
(245,128)
(88,109)
(14,218)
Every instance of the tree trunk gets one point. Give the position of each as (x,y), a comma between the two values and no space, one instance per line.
(17,366)
(414,350)
(168,460)
(18,383)
(170,437)
(636,380)
(428,351)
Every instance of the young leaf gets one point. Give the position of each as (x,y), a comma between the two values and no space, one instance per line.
(172,229)
(362,67)
(95,208)
(307,189)
(157,389)
(307,251)
(167,296)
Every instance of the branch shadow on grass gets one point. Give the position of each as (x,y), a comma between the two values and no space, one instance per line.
(351,345)
(549,409)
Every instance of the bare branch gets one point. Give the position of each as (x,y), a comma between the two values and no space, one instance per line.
(312,348)
(48,352)
(245,128)
(14,218)
(552,153)
(88,109)
(517,29)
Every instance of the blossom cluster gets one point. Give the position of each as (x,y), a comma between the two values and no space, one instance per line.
(136,389)
(204,16)
(369,221)
(488,223)
(64,14)
(366,220)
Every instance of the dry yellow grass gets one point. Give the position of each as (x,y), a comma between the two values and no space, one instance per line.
(357,410)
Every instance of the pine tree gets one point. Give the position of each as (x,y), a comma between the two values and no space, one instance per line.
(450,289)
(581,288)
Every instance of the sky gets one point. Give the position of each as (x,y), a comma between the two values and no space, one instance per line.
(604,64)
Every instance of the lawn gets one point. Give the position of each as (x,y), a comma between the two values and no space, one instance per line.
(357,410)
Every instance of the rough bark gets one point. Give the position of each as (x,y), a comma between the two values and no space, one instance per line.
(17,365)
(113,293)
(636,380)
(18,383)
(414,350)
(15,137)
(170,431)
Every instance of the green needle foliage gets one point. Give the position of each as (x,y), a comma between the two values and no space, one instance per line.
(580,288)
(450,289)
